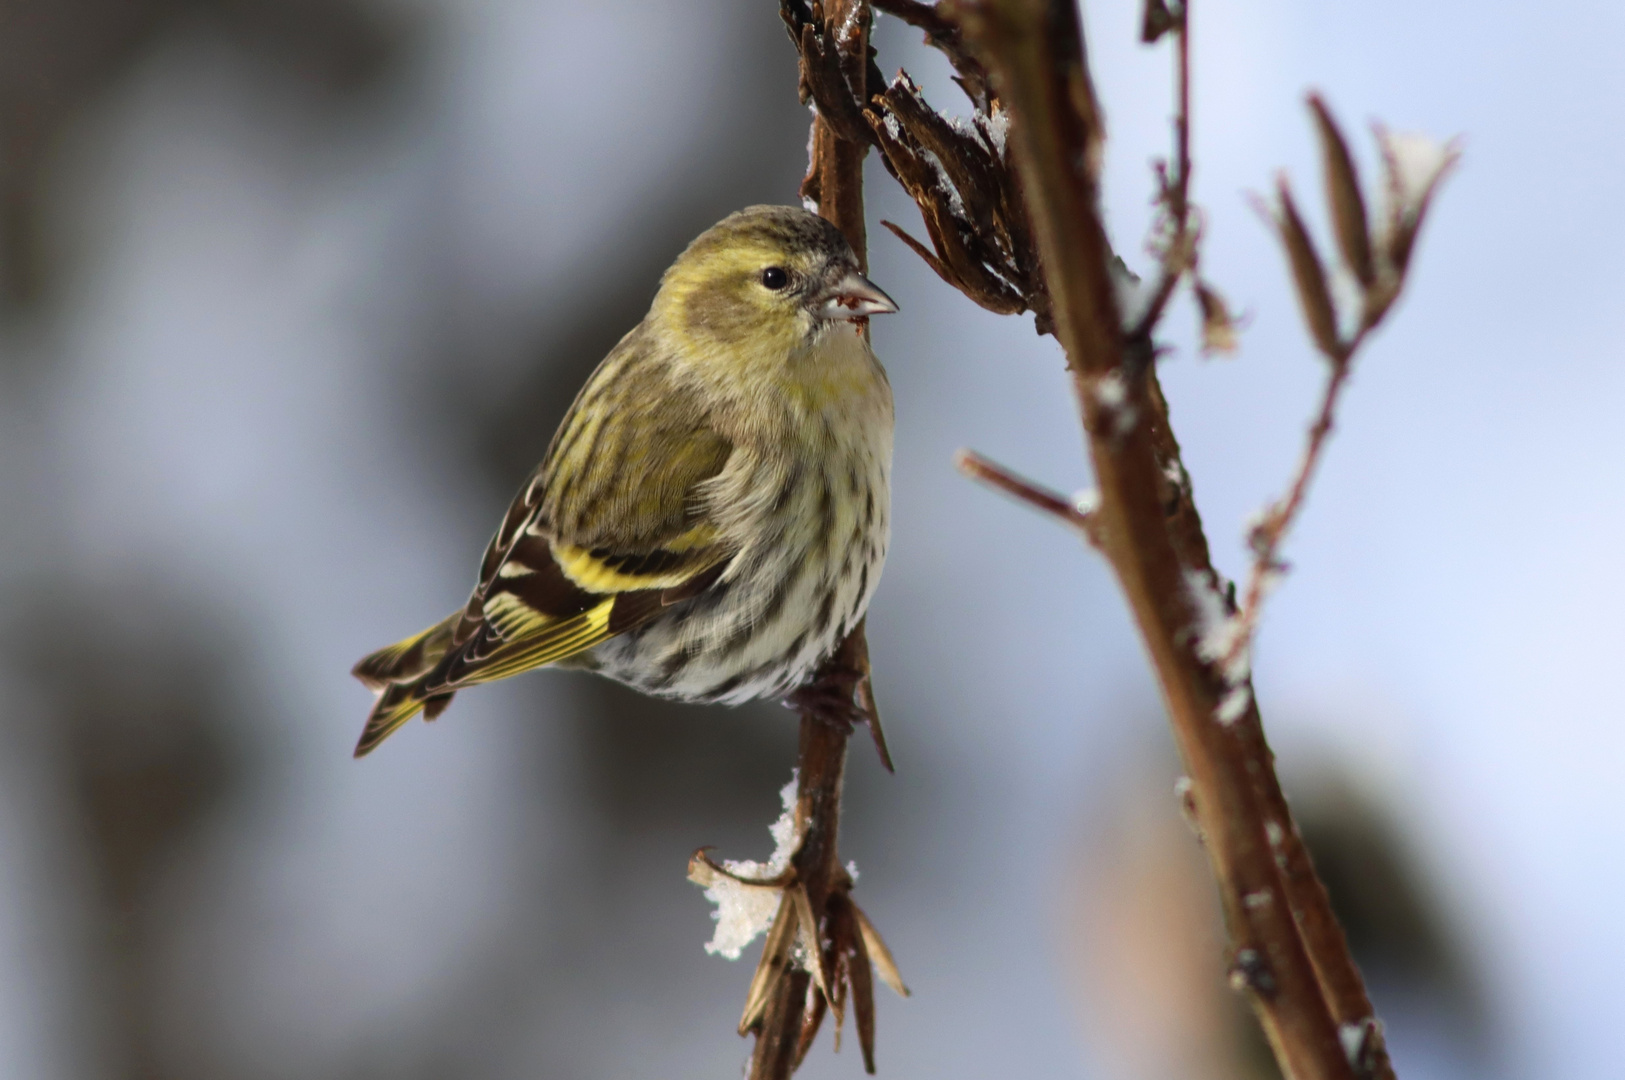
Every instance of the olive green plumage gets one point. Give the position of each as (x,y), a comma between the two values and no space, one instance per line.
(711,518)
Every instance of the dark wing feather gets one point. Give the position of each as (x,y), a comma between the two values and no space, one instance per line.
(608,532)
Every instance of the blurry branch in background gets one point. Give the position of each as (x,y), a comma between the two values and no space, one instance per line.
(1010,203)
(820,948)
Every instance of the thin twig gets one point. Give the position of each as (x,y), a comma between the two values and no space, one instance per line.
(1182,117)
(1055,504)
(1180,253)
(1266,537)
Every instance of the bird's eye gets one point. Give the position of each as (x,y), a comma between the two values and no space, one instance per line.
(775,277)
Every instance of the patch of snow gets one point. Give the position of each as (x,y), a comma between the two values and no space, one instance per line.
(1217,632)
(1086,500)
(1216,628)
(743,910)
(1111,391)
(945,185)
(997,129)
(1354,1036)
(1348,298)
(1134,295)
(1233,705)
(849,25)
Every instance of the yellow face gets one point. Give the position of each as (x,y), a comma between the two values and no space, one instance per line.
(767,279)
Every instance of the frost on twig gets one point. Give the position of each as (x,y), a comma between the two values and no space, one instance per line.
(1220,639)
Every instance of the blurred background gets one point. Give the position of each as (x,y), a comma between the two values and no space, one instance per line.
(292,293)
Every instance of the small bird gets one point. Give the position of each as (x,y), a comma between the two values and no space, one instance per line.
(712,515)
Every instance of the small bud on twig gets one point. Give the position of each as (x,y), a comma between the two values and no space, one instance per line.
(1218,324)
(1155,21)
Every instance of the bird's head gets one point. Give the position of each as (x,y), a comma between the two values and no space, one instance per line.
(768,278)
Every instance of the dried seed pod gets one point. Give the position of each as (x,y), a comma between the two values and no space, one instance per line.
(863,984)
(880,954)
(773,966)
(818,963)
(812,1020)
(1343,196)
(1309,275)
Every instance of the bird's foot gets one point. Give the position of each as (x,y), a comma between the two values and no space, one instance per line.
(842,695)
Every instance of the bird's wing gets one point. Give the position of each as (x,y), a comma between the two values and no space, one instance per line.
(612,528)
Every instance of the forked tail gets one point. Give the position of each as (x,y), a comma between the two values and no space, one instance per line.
(397,671)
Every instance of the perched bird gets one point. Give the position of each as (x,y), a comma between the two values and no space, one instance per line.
(711,518)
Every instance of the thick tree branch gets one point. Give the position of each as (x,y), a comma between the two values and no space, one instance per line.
(1033,50)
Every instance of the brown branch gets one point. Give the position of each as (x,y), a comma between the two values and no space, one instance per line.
(1323,937)
(1055,504)
(1034,52)
(787,1004)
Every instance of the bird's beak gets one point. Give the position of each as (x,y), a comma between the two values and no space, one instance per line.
(853,297)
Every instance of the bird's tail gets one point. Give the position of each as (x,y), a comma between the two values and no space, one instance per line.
(397,671)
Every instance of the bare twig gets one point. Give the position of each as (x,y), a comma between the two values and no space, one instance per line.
(1265,537)
(1179,249)
(1055,504)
